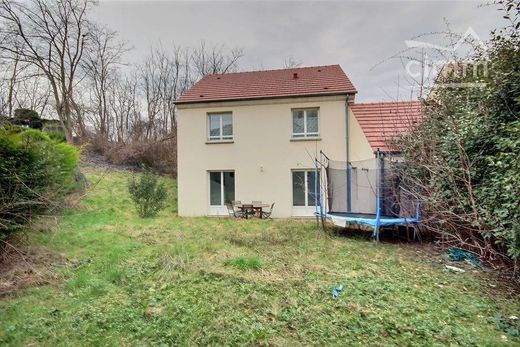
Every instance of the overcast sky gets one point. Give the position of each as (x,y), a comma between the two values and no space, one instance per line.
(358,35)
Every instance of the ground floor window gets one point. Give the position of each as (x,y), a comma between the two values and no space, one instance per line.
(303,182)
(221,187)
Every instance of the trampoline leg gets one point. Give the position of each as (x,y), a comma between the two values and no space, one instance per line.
(376,233)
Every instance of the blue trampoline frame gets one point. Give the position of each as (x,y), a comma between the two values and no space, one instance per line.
(376,222)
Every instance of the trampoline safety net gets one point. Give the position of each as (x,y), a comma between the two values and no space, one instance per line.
(353,188)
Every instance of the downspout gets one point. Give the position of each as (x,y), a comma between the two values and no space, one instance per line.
(316,182)
(347,156)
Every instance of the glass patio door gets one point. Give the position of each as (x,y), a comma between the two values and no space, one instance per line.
(221,191)
(303,197)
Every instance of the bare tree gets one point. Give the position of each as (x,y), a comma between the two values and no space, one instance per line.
(32,91)
(153,76)
(3,100)
(11,84)
(101,63)
(52,37)
(124,106)
(12,70)
(214,60)
(23,86)
(290,62)
(166,74)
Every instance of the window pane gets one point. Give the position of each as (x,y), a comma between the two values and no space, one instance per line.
(227,125)
(214,125)
(312,121)
(310,188)
(298,188)
(298,119)
(215,188)
(229,187)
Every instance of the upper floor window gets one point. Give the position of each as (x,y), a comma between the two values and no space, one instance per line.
(220,126)
(305,123)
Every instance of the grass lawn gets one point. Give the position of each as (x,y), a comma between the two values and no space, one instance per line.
(168,280)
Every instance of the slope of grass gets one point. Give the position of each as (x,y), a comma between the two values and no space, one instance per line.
(171,280)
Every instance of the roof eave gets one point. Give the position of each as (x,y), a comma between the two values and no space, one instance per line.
(180,102)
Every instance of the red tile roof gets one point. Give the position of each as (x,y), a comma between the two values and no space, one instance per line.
(306,81)
(383,120)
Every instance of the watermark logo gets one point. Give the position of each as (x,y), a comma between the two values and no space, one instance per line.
(441,65)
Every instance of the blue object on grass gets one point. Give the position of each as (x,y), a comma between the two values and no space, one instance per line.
(336,291)
(459,254)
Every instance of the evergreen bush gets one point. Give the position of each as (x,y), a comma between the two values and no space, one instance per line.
(35,173)
(147,194)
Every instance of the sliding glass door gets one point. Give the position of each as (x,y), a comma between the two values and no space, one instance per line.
(221,191)
(304,192)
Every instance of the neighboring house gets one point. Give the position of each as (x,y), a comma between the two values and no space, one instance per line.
(381,121)
(254,136)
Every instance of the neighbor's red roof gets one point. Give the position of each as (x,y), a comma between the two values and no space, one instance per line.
(383,120)
(310,81)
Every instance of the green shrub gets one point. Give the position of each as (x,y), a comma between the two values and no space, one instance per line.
(245,263)
(147,193)
(53,128)
(35,173)
(464,158)
(56,135)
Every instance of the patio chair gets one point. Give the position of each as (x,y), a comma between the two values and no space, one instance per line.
(232,212)
(236,202)
(267,214)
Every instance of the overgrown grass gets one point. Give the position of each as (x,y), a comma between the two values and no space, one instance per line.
(245,263)
(164,281)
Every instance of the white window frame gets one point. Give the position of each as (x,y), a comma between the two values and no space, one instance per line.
(218,210)
(305,133)
(304,211)
(220,137)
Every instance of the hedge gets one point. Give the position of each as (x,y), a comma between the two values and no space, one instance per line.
(36,172)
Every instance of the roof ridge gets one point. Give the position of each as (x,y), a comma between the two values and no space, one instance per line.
(385,102)
(270,70)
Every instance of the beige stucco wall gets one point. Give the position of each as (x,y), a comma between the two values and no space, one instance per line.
(262,153)
(359,148)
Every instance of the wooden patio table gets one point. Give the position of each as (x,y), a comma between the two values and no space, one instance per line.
(257,208)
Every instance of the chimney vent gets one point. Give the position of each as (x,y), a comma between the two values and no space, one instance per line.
(295,75)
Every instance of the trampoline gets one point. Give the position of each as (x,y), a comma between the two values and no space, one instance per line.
(368,192)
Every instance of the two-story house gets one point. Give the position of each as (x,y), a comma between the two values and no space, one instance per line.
(254,136)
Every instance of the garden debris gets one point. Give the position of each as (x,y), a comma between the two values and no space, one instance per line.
(337,291)
(454,268)
(27,266)
(459,254)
